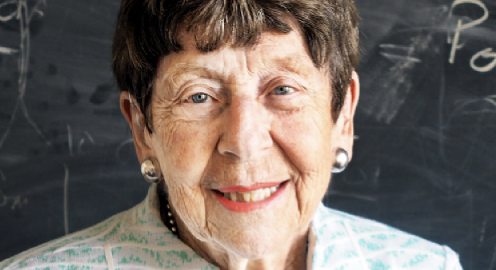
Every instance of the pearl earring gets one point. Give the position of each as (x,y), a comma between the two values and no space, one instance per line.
(151,173)
(341,162)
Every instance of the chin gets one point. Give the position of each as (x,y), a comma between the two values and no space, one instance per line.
(253,244)
(252,248)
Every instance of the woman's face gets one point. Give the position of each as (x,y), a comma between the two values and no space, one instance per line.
(254,120)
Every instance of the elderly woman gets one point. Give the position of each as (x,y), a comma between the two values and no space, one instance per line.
(240,111)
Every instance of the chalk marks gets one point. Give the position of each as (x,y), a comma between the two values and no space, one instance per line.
(399,53)
(89,137)
(80,145)
(15,202)
(493,261)
(120,151)
(483,230)
(70,145)
(491,99)
(398,83)
(473,106)
(69,139)
(460,27)
(24,14)
(486,54)
(82,141)
(8,51)
(66,199)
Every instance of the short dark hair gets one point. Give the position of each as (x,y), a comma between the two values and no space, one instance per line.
(147,30)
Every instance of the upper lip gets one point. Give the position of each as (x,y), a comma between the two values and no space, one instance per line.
(249,188)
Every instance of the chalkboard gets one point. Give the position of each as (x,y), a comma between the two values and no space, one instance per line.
(425,151)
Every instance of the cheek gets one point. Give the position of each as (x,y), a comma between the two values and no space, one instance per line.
(183,161)
(184,148)
(307,140)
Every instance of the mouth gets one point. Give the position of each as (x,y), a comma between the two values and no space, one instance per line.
(251,196)
(245,199)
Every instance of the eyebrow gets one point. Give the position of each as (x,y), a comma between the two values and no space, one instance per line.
(293,65)
(190,69)
(174,74)
(288,64)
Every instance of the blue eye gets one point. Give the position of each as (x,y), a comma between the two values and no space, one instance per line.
(283,90)
(199,98)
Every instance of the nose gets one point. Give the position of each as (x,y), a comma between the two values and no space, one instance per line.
(246,130)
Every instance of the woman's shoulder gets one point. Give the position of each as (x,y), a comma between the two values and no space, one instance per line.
(135,238)
(352,242)
(88,243)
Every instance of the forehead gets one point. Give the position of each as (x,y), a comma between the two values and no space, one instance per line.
(274,50)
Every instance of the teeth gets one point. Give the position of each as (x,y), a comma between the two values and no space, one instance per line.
(246,196)
(252,196)
(255,195)
(233,196)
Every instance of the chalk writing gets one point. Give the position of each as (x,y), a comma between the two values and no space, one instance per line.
(455,40)
(16,202)
(397,52)
(487,53)
(24,14)
(398,83)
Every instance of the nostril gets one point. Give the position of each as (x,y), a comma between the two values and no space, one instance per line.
(230,155)
(226,149)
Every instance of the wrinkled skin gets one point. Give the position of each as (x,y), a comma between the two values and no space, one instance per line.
(246,130)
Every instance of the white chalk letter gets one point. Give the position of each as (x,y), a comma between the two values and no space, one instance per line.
(487,53)
(460,26)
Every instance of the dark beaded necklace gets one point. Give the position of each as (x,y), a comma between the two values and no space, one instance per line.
(166,212)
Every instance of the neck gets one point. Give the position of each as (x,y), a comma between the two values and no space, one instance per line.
(291,256)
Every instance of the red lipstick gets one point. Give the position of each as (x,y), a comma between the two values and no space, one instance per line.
(244,207)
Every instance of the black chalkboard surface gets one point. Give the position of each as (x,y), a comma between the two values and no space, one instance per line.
(425,152)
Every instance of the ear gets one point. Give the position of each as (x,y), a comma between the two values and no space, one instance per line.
(345,119)
(136,121)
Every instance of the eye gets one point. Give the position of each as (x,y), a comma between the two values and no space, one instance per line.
(283,90)
(199,98)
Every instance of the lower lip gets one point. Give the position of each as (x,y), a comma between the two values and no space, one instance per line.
(243,207)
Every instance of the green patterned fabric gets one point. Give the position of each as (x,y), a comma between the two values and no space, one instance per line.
(134,239)
(342,241)
(137,239)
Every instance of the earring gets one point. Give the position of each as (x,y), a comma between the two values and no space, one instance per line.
(151,173)
(342,161)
